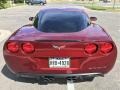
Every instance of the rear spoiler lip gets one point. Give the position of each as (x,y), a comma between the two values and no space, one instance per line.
(59,40)
(72,41)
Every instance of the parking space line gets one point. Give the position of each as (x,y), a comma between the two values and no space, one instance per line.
(70,85)
(4,34)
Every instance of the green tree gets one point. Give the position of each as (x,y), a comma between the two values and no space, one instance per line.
(2,3)
(18,1)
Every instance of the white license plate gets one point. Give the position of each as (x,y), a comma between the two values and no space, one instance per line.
(59,62)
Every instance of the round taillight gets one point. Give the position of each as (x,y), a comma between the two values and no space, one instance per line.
(91,48)
(106,47)
(28,47)
(12,47)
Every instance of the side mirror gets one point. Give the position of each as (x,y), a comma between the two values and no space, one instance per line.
(31,18)
(93,20)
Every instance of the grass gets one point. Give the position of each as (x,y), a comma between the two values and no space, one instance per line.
(102,8)
(89,5)
(95,6)
(7,5)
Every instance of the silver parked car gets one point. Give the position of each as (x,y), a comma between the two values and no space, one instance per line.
(32,2)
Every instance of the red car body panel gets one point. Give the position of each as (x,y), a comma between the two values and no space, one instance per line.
(37,62)
(74,42)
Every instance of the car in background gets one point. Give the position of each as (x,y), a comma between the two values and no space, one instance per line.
(106,1)
(32,2)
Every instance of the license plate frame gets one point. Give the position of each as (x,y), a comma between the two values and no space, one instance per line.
(59,62)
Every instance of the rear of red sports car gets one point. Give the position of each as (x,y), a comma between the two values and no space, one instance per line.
(60,43)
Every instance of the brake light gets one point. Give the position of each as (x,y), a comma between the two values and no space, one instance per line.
(12,47)
(28,47)
(91,48)
(106,47)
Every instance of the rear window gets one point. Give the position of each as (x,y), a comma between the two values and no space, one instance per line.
(62,21)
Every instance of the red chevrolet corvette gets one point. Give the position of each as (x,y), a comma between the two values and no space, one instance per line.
(61,43)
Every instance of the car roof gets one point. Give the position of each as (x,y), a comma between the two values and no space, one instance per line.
(67,8)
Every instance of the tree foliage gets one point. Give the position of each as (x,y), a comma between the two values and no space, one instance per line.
(18,1)
(2,3)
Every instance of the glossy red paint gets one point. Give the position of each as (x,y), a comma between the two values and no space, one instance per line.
(81,62)
(73,47)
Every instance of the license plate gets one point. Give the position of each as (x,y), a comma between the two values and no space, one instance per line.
(59,62)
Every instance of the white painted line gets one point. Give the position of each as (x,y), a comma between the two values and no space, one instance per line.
(70,85)
(4,34)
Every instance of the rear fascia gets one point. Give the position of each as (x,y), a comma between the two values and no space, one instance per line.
(22,63)
(38,64)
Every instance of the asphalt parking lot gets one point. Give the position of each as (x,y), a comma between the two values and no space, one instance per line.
(13,18)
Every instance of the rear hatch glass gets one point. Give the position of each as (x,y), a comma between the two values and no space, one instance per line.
(61,21)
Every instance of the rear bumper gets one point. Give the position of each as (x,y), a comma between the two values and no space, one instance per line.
(60,75)
(27,65)
(23,65)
